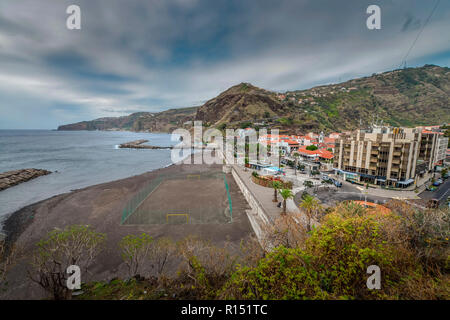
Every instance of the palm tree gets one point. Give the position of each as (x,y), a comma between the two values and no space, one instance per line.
(286,194)
(311,205)
(280,154)
(296,155)
(276,185)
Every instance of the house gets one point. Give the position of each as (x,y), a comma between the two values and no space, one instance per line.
(334,135)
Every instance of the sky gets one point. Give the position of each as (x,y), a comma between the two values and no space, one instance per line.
(153,55)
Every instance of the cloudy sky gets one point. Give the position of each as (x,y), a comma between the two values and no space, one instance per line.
(151,55)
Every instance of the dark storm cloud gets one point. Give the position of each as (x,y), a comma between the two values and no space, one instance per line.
(150,55)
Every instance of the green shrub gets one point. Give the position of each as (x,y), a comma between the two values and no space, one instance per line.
(334,263)
(135,251)
(282,274)
(75,245)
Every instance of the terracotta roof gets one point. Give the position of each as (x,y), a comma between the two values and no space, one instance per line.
(303,150)
(321,153)
(428,131)
(325,154)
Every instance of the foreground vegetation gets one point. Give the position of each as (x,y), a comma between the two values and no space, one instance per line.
(327,260)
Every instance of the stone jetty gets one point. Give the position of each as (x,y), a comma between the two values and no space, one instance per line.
(139,144)
(12,178)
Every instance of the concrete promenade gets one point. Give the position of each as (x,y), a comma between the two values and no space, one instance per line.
(262,194)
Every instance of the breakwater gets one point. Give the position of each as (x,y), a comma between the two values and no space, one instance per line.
(12,178)
(139,144)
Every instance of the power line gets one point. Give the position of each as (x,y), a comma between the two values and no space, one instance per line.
(418,35)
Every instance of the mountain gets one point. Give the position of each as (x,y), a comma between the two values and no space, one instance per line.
(240,103)
(164,121)
(403,97)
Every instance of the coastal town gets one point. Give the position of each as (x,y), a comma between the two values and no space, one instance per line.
(216,158)
(375,168)
(377,163)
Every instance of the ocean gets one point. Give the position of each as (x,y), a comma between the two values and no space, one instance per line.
(77,159)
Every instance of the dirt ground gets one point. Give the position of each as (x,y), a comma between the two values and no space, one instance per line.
(101,207)
(199,201)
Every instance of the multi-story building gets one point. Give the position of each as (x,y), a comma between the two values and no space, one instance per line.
(398,157)
(441,150)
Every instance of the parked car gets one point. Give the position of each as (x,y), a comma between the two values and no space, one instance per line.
(431,188)
(337,183)
(436,183)
(440,181)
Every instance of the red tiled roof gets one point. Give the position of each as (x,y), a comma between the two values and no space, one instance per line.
(321,153)
(292,142)
(325,154)
(428,131)
(303,150)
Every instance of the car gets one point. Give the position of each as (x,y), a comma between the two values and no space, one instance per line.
(337,184)
(431,188)
(440,181)
(436,183)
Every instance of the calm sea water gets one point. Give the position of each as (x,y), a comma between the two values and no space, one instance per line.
(81,159)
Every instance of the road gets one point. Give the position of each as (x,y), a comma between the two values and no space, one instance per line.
(332,195)
(441,193)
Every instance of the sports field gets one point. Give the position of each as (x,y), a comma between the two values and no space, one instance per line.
(193,198)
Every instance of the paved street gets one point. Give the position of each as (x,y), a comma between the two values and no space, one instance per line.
(331,195)
(441,193)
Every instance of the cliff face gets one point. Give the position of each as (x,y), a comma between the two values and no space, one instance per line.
(404,97)
(126,123)
(164,121)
